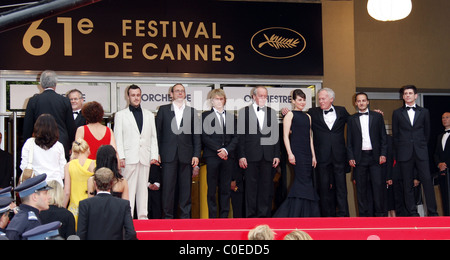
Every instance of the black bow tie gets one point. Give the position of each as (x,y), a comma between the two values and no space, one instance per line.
(329,111)
(413,108)
(260,109)
(75,112)
(447,131)
(363,114)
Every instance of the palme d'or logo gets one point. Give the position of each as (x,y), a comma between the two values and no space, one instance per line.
(278,43)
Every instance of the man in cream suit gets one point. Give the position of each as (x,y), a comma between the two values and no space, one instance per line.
(137,146)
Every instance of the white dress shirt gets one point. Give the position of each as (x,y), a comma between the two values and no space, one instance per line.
(366,142)
(261,115)
(444,139)
(411,114)
(76,113)
(330,117)
(179,113)
(219,115)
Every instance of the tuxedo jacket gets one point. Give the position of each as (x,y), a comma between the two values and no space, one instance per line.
(215,137)
(328,143)
(441,155)
(80,121)
(377,132)
(132,145)
(409,138)
(50,102)
(257,144)
(184,142)
(105,217)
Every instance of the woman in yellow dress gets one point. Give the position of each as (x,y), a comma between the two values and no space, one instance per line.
(77,173)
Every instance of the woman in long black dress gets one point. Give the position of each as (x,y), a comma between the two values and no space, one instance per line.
(302,200)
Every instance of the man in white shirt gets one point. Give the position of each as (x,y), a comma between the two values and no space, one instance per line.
(367,150)
(179,138)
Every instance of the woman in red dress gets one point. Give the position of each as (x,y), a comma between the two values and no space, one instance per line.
(94,133)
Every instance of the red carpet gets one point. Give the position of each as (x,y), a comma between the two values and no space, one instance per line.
(319,228)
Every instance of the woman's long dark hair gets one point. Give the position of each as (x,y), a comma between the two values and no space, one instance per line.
(46,131)
(106,157)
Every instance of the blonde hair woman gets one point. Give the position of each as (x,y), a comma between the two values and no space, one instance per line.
(261,232)
(57,211)
(77,173)
(298,235)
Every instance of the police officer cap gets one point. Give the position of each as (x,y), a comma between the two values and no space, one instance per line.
(32,185)
(43,232)
(6,192)
(4,204)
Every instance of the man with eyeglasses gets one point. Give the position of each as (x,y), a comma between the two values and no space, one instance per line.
(76,100)
(179,138)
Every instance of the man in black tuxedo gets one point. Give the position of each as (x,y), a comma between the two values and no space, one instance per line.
(220,140)
(49,102)
(105,217)
(328,125)
(442,160)
(179,139)
(411,131)
(76,100)
(367,151)
(6,167)
(259,153)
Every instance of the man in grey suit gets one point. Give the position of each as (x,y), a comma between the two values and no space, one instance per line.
(179,138)
(411,131)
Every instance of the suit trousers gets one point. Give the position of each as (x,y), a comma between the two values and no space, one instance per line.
(219,175)
(408,169)
(332,189)
(259,189)
(137,178)
(176,179)
(368,178)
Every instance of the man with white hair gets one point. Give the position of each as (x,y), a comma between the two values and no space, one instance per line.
(259,152)
(50,102)
(328,125)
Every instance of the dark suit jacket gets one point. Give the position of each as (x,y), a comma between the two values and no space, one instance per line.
(328,143)
(186,141)
(255,144)
(441,155)
(50,102)
(377,132)
(214,137)
(105,217)
(80,121)
(409,138)
(6,169)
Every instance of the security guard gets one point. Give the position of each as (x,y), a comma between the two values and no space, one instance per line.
(5,203)
(6,192)
(33,193)
(44,232)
